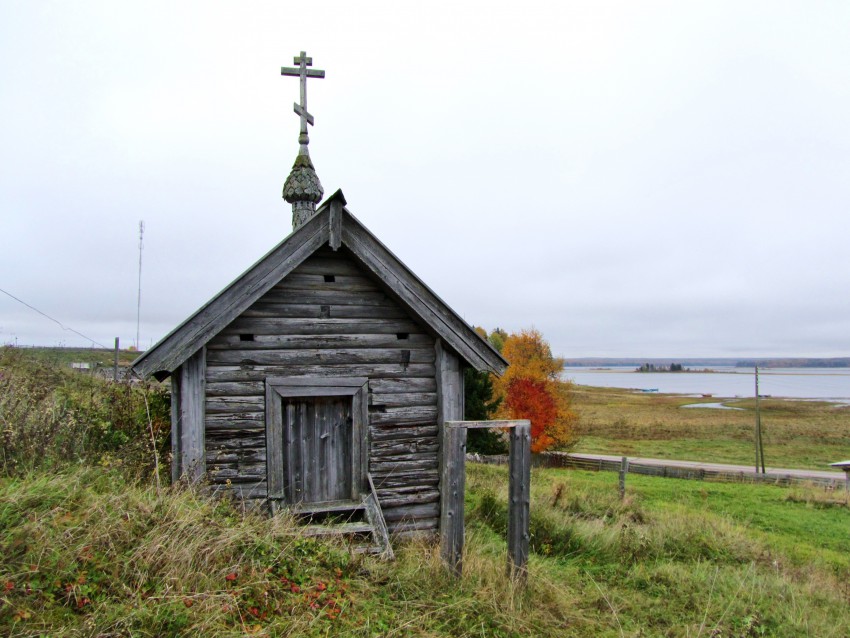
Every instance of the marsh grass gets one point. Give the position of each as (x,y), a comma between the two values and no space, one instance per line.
(797,434)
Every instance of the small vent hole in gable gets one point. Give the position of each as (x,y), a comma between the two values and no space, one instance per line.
(329,279)
(244,337)
(402,336)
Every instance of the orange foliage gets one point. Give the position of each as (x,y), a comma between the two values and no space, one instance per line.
(531,389)
(530,357)
(529,399)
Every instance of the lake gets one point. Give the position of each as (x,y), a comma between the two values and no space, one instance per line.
(797,383)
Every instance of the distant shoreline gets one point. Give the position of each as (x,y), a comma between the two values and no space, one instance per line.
(695,362)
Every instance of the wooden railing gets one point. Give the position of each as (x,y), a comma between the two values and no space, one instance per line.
(453,486)
(566,460)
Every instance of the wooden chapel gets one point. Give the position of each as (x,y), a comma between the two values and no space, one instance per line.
(321,377)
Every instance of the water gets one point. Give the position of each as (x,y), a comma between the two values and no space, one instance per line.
(715,406)
(726,382)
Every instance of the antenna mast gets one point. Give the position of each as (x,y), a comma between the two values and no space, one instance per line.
(139,298)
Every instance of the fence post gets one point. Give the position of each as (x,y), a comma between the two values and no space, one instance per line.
(453,486)
(624,468)
(519,501)
(115,369)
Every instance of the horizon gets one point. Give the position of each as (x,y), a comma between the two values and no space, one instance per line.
(627,358)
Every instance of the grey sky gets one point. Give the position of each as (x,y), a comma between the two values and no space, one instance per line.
(631,178)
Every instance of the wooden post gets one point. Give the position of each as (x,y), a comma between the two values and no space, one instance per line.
(115,368)
(759,445)
(519,501)
(191,416)
(624,468)
(453,486)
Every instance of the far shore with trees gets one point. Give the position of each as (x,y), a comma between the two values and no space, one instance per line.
(673,367)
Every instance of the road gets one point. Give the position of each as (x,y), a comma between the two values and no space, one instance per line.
(772,472)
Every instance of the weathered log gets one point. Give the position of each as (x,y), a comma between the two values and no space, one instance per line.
(214,421)
(221,373)
(389,386)
(405,448)
(327,297)
(416,512)
(296,326)
(404,399)
(316,342)
(320,356)
(235,388)
(233,404)
(389,433)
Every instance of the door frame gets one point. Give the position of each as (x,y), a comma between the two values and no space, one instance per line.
(278,388)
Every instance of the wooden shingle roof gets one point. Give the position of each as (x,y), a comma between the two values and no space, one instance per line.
(332,224)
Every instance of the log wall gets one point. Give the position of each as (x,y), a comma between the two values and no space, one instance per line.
(328,318)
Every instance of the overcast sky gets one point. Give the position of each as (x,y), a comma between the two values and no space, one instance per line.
(631,178)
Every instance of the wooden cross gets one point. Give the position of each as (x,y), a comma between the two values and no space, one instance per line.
(303,72)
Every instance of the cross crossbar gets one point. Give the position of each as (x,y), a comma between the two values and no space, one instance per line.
(302,72)
(310,73)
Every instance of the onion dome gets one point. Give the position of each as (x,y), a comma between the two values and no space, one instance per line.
(302,189)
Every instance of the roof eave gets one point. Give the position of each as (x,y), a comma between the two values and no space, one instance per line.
(194,333)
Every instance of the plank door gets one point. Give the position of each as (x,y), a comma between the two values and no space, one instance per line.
(317,454)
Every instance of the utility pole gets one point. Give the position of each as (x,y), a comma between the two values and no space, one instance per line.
(115,367)
(759,444)
(139,298)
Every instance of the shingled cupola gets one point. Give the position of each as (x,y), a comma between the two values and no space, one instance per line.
(302,188)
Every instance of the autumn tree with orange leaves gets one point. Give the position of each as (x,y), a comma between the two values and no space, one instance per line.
(532,389)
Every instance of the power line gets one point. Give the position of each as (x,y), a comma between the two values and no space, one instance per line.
(56,321)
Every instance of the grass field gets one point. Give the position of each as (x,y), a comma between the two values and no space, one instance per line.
(90,547)
(797,434)
(85,553)
(66,356)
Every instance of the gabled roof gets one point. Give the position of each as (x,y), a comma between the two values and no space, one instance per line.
(332,224)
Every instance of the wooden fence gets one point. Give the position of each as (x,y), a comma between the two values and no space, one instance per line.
(453,487)
(567,460)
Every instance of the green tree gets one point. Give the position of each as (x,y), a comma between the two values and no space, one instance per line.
(480,405)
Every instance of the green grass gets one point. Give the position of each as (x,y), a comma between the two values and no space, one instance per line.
(683,558)
(88,547)
(64,357)
(797,434)
(87,553)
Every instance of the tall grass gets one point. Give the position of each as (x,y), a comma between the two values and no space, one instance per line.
(655,564)
(88,547)
(86,552)
(51,416)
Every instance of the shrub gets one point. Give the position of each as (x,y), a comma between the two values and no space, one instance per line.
(52,416)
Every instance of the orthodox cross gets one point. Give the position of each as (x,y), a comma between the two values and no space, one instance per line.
(303,72)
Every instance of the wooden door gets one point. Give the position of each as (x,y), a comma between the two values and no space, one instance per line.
(316,439)
(317,454)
